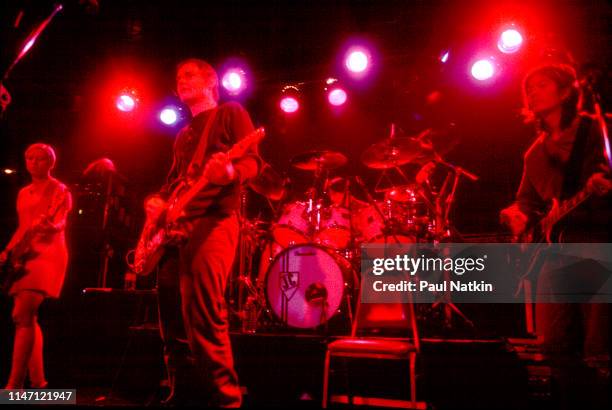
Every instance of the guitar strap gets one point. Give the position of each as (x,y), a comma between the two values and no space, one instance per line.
(46,199)
(573,168)
(195,165)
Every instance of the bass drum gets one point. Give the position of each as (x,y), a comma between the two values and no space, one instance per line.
(307,285)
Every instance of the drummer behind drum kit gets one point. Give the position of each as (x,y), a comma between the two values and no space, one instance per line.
(308,274)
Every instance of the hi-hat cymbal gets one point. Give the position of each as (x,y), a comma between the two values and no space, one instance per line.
(269,183)
(395,152)
(318,160)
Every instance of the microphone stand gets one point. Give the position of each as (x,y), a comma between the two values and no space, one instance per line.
(600,118)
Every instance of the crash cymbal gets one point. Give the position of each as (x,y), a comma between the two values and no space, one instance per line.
(269,183)
(318,160)
(395,152)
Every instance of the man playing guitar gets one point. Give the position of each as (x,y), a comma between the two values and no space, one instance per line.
(566,161)
(201,263)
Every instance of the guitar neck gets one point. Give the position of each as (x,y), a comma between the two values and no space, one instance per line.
(566,207)
(238,150)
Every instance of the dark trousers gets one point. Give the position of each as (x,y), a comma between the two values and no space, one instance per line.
(203,265)
(177,356)
(575,339)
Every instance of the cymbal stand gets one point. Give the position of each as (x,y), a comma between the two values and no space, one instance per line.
(443,224)
(246,291)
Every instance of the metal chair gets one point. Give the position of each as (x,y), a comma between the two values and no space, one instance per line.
(367,341)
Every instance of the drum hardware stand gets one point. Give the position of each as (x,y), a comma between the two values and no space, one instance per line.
(442,232)
(315,200)
(107,249)
(247,292)
(395,167)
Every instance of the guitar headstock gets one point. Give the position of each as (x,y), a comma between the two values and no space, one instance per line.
(242,146)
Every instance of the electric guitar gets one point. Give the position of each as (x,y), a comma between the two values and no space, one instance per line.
(162,230)
(543,231)
(13,268)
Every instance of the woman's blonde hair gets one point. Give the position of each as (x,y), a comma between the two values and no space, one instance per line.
(47,149)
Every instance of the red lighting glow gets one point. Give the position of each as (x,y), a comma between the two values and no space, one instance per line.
(357,60)
(337,97)
(510,41)
(482,70)
(125,102)
(234,81)
(289,104)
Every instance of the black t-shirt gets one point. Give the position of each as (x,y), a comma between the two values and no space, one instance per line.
(231,124)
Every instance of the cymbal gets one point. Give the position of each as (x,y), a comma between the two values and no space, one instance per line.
(318,160)
(269,183)
(395,152)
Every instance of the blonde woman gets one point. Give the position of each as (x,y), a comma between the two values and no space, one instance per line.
(42,207)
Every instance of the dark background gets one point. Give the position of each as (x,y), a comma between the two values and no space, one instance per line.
(62,91)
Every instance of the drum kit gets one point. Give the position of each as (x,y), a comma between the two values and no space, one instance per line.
(301,270)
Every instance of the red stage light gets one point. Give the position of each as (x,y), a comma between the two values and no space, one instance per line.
(234,81)
(289,104)
(337,96)
(510,41)
(357,60)
(125,102)
(482,70)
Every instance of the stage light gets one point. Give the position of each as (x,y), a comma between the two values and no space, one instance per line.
(126,102)
(444,56)
(234,81)
(28,46)
(169,116)
(289,104)
(357,60)
(510,41)
(9,171)
(337,96)
(482,70)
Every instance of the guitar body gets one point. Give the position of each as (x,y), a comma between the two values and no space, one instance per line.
(13,268)
(151,260)
(544,231)
(550,228)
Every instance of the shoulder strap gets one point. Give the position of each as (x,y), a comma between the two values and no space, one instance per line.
(198,155)
(46,198)
(571,176)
